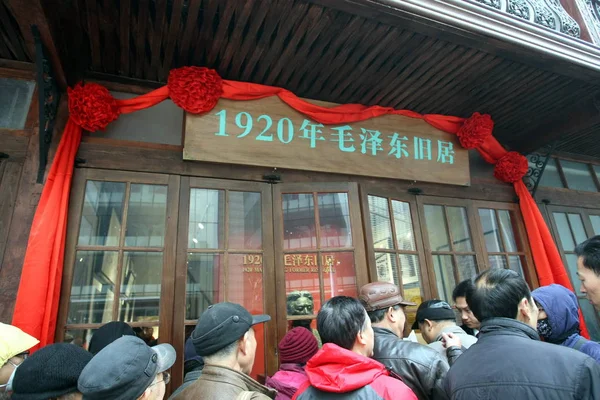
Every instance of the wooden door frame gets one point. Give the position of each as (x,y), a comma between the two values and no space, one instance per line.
(360,262)
(80,178)
(392,193)
(187,183)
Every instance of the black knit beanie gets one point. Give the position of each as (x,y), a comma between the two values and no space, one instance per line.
(107,334)
(50,372)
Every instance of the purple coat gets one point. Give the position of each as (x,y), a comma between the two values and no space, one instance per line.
(287,380)
(560,304)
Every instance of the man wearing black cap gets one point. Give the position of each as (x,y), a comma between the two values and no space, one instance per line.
(420,367)
(224,337)
(436,318)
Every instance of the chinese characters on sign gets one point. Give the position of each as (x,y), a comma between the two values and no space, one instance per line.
(305,263)
(269,133)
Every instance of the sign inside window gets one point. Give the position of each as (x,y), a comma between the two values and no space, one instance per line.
(269,133)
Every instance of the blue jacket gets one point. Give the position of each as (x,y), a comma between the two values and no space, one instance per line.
(560,304)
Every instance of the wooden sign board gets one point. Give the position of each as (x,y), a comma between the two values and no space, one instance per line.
(269,133)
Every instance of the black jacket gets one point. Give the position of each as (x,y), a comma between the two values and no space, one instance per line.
(510,362)
(421,367)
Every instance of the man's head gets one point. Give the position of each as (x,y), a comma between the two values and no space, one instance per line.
(300,302)
(432,317)
(107,334)
(343,321)
(588,269)
(14,347)
(51,372)
(385,306)
(502,293)
(224,336)
(128,369)
(459,295)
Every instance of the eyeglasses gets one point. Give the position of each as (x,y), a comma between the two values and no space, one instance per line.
(166,379)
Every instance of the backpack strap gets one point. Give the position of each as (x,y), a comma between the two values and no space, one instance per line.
(245,395)
(579,343)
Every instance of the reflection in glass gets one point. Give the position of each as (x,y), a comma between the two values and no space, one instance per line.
(380,222)
(302,286)
(140,286)
(466,267)
(514,263)
(490,230)
(245,281)
(595,224)
(387,268)
(404,230)
(245,220)
(79,337)
(459,228)
(578,176)
(507,230)
(436,228)
(411,283)
(334,220)
(207,212)
(339,277)
(299,230)
(146,216)
(92,290)
(444,276)
(577,228)
(202,286)
(498,262)
(564,231)
(572,268)
(551,177)
(101,214)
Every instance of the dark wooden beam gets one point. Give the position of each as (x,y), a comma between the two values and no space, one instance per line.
(31,12)
(579,117)
(171,39)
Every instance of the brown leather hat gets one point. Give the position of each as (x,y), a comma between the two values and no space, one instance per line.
(378,295)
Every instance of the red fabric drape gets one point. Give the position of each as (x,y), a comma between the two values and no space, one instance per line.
(37,301)
(39,290)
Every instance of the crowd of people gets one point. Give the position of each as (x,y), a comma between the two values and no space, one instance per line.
(513,344)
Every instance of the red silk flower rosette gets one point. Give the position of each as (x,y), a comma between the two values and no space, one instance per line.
(475,130)
(92,106)
(195,89)
(511,167)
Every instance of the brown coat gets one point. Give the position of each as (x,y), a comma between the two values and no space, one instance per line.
(222,383)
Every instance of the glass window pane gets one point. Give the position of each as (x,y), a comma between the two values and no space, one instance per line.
(387,267)
(146,216)
(595,223)
(436,228)
(572,268)
(591,319)
(93,287)
(578,176)
(498,262)
(444,276)
(506,227)
(551,177)
(334,219)
(405,239)
(15,98)
(101,214)
(140,286)
(459,228)
(79,337)
(299,230)
(466,267)
(339,277)
(206,219)
(380,222)
(514,263)
(411,282)
(490,230)
(202,286)
(245,220)
(564,231)
(577,228)
(302,286)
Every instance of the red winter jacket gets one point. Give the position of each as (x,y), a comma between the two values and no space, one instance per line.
(337,370)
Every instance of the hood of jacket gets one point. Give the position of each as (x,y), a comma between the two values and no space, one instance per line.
(334,369)
(560,304)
